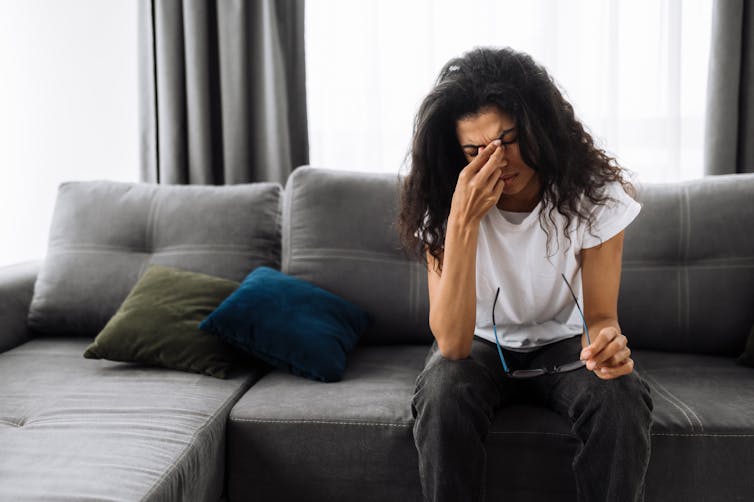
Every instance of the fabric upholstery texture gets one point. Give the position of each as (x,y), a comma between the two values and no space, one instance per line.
(352,440)
(688,268)
(158,324)
(338,233)
(16,289)
(104,235)
(290,323)
(747,358)
(79,429)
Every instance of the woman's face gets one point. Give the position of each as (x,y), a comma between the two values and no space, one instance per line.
(522,182)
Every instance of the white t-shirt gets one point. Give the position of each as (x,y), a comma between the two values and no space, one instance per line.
(534,307)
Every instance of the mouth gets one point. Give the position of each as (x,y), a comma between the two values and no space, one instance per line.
(508,177)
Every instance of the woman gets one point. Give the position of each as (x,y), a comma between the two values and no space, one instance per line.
(515,211)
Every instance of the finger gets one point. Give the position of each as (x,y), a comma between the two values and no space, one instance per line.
(613,347)
(617,358)
(599,343)
(482,157)
(491,169)
(615,371)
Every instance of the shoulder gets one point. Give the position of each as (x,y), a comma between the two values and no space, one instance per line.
(612,195)
(609,216)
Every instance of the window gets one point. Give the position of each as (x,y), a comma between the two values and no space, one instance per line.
(634,70)
(69,105)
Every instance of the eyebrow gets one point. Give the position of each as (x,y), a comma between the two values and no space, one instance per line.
(506,131)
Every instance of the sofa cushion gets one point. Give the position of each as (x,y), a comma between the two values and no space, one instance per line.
(342,441)
(747,358)
(79,429)
(338,233)
(104,234)
(688,266)
(352,440)
(158,324)
(289,323)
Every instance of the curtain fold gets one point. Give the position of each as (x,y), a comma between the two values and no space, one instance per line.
(729,129)
(222,90)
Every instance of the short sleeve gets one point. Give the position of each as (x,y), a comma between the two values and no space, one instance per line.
(612,217)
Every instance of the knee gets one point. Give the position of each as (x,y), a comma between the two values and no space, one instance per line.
(448,386)
(623,399)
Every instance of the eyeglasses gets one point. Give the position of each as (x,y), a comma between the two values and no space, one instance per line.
(534,372)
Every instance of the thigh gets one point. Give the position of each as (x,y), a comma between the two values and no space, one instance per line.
(482,369)
(570,393)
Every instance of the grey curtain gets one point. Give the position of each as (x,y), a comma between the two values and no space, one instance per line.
(222,90)
(729,130)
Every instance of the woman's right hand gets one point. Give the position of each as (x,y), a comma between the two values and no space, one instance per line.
(479,186)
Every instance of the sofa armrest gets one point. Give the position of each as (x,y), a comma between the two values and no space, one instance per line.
(16,289)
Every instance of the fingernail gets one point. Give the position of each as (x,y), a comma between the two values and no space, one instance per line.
(585,354)
(590,365)
(497,142)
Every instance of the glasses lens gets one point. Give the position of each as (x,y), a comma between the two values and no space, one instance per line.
(570,366)
(527,373)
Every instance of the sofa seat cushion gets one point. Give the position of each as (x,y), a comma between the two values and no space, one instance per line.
(703,431)
(293,439)
(290,438)
(80,429)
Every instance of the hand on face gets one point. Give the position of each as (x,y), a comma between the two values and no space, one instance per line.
(608,356)
(479,184)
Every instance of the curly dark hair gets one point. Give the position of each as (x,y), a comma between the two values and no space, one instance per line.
(552,141)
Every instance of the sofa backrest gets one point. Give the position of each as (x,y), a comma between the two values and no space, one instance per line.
(338,233)
(104,234)
(688,260)
(688,266)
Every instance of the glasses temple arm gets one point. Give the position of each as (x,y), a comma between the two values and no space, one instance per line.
(575,299)
(494,329)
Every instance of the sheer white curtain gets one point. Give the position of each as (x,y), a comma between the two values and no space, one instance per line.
(68,108)
(634,70)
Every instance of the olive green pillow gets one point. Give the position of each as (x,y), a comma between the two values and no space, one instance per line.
(158,324)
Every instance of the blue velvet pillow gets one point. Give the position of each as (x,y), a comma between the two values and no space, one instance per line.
(289,323)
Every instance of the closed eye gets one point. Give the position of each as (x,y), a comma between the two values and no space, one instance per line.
(506,138)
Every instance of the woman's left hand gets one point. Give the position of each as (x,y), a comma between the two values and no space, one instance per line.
(608,356)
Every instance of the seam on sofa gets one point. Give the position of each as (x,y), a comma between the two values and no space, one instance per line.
(328,422)
(230,401)
(538,433)
(149,227)
(681,403)
(685,259)
(679,305)
(662,394)
(91,247)
(687,327)
(287,219)
(691,434)
(353,254)
(706,263)
(675,401)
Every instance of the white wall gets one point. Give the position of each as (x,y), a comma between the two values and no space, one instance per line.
(68,108)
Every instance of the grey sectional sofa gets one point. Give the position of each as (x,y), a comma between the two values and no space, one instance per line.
(79,429)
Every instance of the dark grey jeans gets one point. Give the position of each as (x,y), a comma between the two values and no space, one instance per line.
(455,402)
